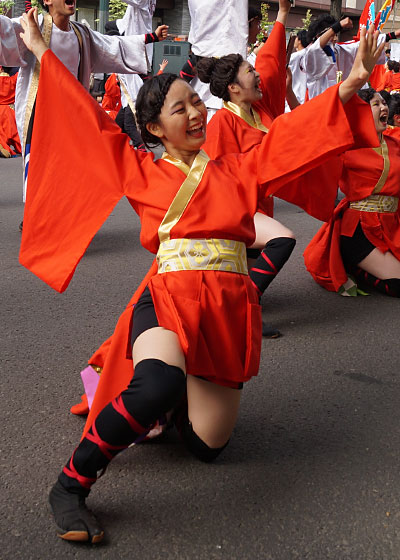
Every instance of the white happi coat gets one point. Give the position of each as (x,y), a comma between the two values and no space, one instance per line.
(322,70)
(138,19)
(100,53)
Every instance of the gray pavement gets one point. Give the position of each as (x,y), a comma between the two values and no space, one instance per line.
(312,468)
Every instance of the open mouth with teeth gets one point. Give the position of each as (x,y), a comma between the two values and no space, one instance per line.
(196,131)
(383,119)
(70,3)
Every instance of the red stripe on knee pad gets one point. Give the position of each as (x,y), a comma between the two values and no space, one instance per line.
(101,444)
(119,406)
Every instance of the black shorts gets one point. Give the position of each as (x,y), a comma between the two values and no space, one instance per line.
(356,248)
(144,315)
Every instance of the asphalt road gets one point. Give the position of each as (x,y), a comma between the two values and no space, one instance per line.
(312,469)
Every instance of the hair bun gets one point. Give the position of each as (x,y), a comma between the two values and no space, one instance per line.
(205,67)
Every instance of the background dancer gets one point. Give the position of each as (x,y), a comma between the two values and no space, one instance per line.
(361,243)
(252,98)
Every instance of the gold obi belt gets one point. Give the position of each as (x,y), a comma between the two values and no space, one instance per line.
(376,203)
(224,255)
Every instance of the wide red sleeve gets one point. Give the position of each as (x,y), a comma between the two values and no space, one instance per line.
(324,128)
(79,165)
(271,64)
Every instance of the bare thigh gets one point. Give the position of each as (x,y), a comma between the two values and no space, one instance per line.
(161,344)
(267,228)
(381,265)
(212,410)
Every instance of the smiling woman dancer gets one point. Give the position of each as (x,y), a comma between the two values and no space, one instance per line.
(182,323)
(253,98)
(363,236)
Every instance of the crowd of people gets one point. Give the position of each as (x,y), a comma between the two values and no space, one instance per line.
(190,337)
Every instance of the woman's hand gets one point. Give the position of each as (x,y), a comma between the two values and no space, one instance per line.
(31,35)
(367,56)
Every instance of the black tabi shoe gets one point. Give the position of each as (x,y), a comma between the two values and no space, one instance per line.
(270,332)
(75,522)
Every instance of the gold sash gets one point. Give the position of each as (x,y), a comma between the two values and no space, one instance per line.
(182,198)
(376,203)
(252,119)
(224,255)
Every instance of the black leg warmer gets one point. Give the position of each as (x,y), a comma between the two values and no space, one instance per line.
(154,389)
(272,258)
(389,287)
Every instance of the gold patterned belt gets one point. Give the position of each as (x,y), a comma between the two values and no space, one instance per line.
(376,203)
(202,254)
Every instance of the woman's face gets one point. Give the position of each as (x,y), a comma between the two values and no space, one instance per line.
(380,112)
(247,87)
(182,121)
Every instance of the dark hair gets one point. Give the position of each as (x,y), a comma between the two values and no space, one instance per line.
(322,23)
(44,6)
(253,13)
(385,95)
(111,28)
(366,94)
(149,103)
(394,107)
(390,64)
(219,73)
(302,37)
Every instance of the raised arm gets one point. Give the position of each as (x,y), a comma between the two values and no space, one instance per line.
(271,65)
(123,55)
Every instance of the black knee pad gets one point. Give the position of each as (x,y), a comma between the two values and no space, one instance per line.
(279,250)
(197,446)
(155,388)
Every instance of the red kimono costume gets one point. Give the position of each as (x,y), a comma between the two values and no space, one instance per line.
(392,82)
(62,215)
(377,78)
(112,98)
(232,130)
(8,128)
(365,172)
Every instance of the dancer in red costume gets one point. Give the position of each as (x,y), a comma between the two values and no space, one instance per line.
(199,314)
(253,98)
(111,102)
(10,144)
(228,132)
(361,242)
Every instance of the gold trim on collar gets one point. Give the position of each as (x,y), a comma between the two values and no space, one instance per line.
(252,119)
(128,97)
(384,152)
(182,198)
(46,34)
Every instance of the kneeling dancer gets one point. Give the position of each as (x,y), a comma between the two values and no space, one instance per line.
(198,313)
